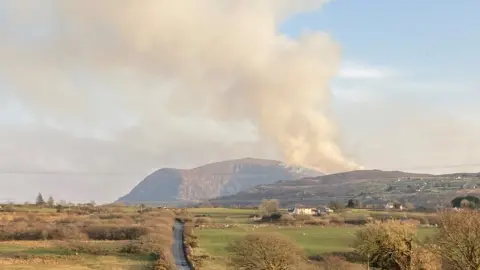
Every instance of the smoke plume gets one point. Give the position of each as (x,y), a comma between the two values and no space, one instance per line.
(220,59)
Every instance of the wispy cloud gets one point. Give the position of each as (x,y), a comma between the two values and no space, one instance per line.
(352,70)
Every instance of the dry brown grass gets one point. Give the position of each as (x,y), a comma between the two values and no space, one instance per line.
(51,238)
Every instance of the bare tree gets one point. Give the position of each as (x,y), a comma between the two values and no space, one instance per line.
(50,201)
(335,263)
(465,203)
(458,242)
(269,207)
(393,245)
(266,251)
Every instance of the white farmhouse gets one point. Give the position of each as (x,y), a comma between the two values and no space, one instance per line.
(300,210)
(392,206)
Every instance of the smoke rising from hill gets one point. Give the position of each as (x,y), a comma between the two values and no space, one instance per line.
(220,59)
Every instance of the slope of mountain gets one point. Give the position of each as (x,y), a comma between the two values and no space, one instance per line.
(368,186)
(212,180)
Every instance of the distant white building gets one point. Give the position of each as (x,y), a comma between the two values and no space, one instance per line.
(389,206)
(300,210)
(392,206)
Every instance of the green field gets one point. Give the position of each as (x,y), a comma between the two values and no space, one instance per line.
(22,255)
(315,240)
(225,215)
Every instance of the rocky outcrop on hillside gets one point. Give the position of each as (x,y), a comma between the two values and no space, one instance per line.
(212,180)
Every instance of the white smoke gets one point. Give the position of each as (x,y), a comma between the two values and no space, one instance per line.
(153,59)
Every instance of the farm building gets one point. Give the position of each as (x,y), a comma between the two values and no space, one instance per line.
(302,210)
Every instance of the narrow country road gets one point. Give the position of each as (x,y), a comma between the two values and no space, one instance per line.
(177,248)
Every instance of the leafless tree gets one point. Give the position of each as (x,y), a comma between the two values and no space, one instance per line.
(458,242)
(265,251)
(393,245)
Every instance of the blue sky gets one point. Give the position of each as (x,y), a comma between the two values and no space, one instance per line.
(432,47)
(429,37)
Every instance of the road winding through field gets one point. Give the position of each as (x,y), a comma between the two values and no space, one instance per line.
(178,249)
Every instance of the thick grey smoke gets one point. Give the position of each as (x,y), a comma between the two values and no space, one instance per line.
(220,59)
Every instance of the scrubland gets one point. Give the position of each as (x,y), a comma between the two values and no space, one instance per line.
(86,237)
(121,237)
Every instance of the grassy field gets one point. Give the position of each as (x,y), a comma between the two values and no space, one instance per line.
(225,215)
(50,255)
(315,240)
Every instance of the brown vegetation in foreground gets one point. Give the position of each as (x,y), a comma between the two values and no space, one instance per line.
(394,245)
(265,252)
(78,230)
(458,242)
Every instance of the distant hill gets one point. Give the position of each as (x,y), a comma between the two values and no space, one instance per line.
(369,186)
(358,175)
(212,180)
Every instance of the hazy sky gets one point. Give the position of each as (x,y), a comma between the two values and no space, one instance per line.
(405,96)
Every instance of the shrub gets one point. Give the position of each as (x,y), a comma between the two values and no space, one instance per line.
(266,218)
(67,232)
(393,245)
(30,234)
(190,238)
(269,207)
(317,222)
(112,232)
(337,220)
(70,220)
(434,219)
(152,242)
(203,220)
(458,241)
(359,220)
(303,217)
(287,219)
(110,216)
(335,263)
(422,219)
(131,248)
(381,216)
(163,261)
(337,206)
(265,251)
(8,208)
(276,216)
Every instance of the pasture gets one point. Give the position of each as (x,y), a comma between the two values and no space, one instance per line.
(335,237)
(315,240)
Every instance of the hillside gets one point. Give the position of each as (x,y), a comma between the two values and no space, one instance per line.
(368,186)
(212,180)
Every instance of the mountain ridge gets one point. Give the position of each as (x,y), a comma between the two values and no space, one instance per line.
(212,180)
(371,186)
